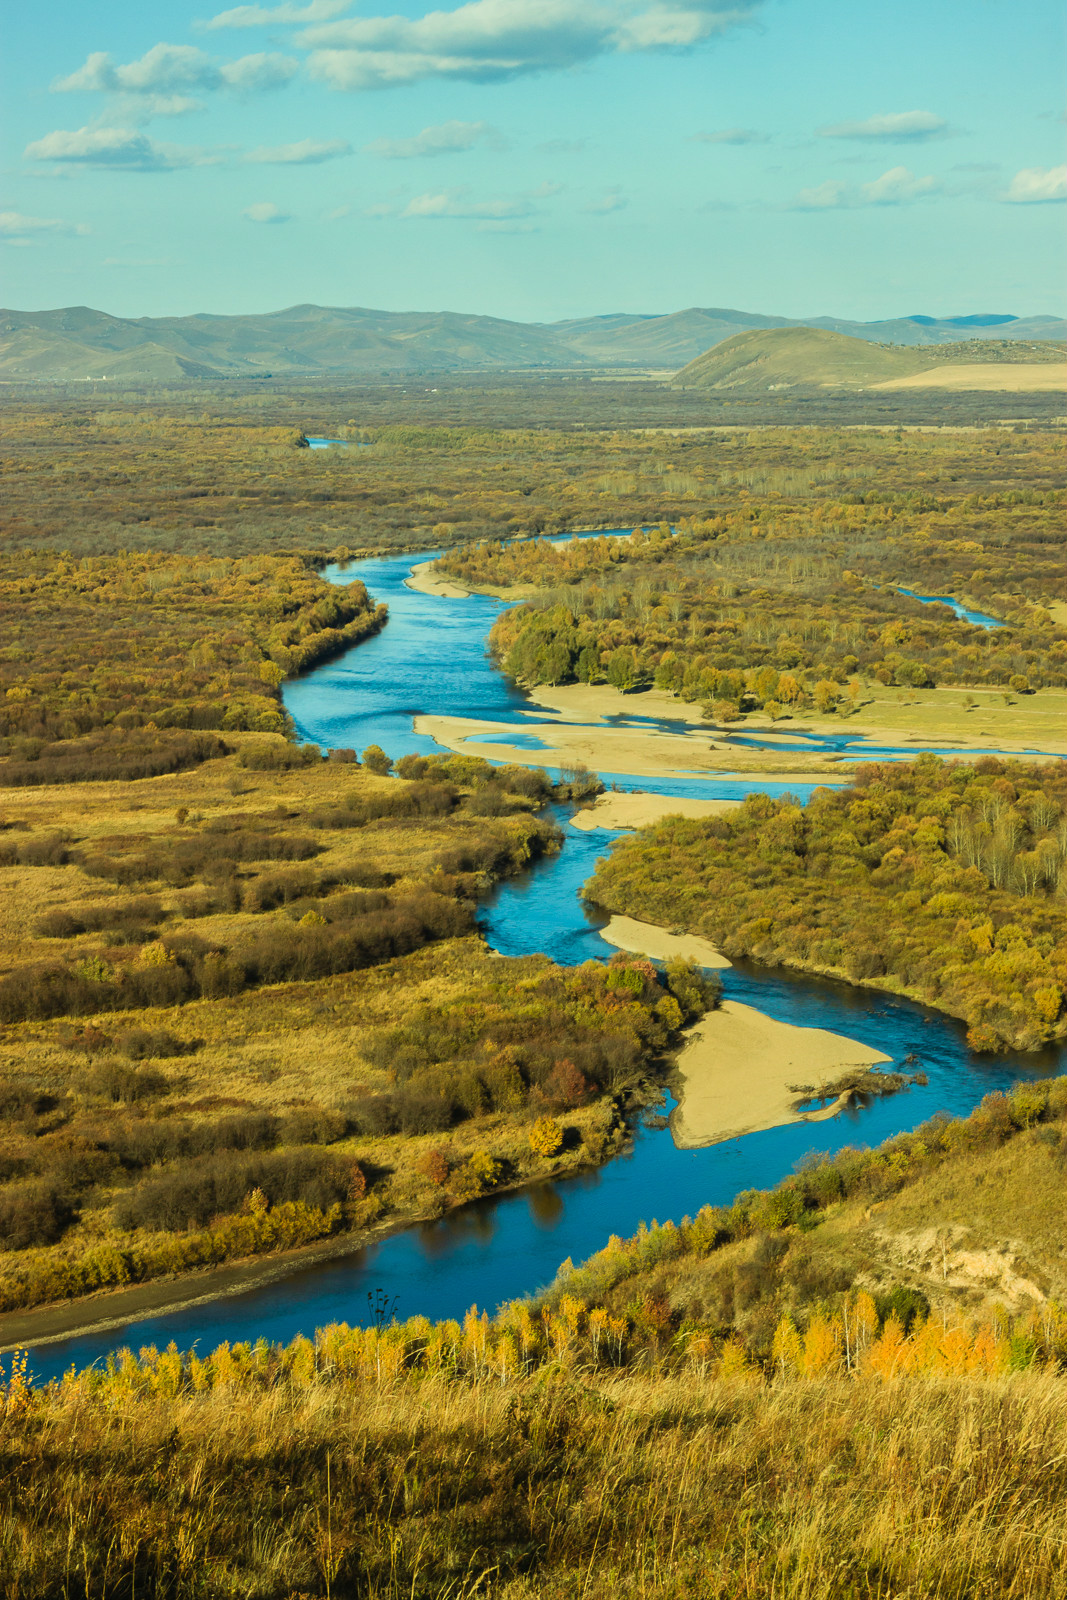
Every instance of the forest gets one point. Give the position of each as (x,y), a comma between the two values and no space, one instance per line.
(156,641)
(941,880)
(245,1007)
(789,607)
(222,472)
(775,1397)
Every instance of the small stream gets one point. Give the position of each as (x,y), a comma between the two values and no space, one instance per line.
(432,658)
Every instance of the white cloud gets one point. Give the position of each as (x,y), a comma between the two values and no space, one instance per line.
(823,197)
(265,16)
(305,153)
(895,187)
(116,147)
(1035,185)
(447,138)
(890,127)
(613,200)
(266,211)
(175,70)
(455,203)
(16,225)
(731,136)
(492,40)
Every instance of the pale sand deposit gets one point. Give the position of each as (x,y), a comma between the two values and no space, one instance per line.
(645,939)
(736,1070)
(642,810)
(1014,377)
(628,752)
(425,582)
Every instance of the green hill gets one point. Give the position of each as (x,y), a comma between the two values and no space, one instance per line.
(785,358)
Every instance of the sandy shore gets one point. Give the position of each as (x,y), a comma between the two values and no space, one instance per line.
(736,1069)
(626,752)
(423,580)
(641,810)
(645,939)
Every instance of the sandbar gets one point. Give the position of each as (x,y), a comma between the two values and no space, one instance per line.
(640,810)
(645,939)
(423,580)
(628,752)
(736,1068)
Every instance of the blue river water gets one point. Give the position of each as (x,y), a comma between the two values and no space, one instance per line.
(432,657)
(977,619)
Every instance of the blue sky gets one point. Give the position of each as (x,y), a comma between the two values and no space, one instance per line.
(537,159)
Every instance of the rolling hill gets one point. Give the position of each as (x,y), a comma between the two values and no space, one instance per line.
(788,358)
(77,342)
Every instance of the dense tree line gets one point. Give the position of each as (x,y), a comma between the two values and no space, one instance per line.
(171,641)
(943,881)
(770,607)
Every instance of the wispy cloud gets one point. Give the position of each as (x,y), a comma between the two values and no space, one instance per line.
(305,153)
(266,211)
(457,203)
(891,127)
(612,200)
(731,136)
(896,187)
(488,41)
(267,16)
(178,70)
(116,148)
(447,138)
(1037,186)
(15,225)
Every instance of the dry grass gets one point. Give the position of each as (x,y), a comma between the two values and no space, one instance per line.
(644,1485)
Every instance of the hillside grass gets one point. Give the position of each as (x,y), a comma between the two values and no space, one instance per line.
(847,1427)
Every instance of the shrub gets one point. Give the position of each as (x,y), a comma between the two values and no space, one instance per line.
(546,1137)
(567,1085)
(433,1164)
(375,760)
(32,1214)
(278,757)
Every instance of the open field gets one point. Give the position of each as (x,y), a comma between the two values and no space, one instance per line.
(1008,377)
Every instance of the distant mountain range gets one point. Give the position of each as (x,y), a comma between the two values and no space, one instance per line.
(78,343)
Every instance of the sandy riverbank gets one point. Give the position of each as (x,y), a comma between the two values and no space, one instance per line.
(422,579)
(645,939)
(736,1069)
(626,752)
(640,810)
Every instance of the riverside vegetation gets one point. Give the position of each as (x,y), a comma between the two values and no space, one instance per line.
(817,1391)
(246,1008)
(940,880)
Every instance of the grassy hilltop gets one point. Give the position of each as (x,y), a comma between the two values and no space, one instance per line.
(784,357)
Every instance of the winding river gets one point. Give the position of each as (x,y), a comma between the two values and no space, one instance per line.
(431,658)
